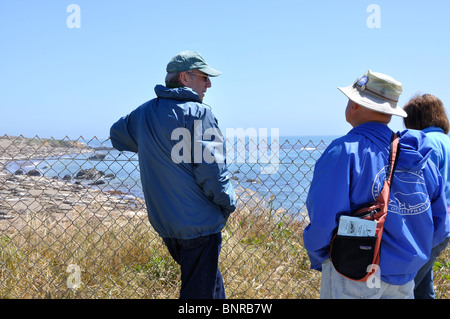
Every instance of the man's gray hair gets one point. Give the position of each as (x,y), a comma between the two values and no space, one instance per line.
(173,79)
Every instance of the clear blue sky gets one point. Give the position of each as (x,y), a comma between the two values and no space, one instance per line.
(281,61)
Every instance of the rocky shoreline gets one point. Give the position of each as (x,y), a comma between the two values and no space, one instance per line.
(19,148)
(24,195)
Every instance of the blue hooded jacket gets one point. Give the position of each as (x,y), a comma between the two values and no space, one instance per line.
(182,163)
(350,173)
(440,155)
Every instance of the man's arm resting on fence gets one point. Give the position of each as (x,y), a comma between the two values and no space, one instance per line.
(121,134)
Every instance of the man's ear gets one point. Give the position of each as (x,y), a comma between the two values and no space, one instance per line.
(356,106)
(184,78)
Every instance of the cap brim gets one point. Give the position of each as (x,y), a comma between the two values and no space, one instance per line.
(372,101)
(210,71)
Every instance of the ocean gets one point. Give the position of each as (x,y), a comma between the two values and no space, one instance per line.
(286,187)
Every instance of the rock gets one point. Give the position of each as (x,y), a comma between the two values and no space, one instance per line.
(81,175)
(90,173)
(6,216)
(67,177)
(97,157)
(34,172)
(19,172)
(110,175)
(17,190)
(98,182)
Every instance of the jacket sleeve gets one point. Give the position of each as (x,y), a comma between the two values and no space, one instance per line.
(122,134)
(328,198)
(209,158)
(439,205)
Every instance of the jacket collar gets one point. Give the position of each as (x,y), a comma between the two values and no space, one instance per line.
(380,134)
(433,129)
(180,94)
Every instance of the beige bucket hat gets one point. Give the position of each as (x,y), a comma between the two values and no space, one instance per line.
(376,91)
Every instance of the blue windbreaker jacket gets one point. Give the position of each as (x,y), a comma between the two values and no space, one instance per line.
(440,155)
(187,195)
(350,173)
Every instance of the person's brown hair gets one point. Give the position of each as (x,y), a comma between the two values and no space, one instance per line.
(424,111)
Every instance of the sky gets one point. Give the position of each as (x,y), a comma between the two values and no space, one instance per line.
(74,72)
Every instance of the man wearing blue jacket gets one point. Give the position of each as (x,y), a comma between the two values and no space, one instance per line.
(183,170)
(350,174)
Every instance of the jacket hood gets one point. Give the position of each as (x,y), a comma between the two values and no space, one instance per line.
(181,94)
(415,148)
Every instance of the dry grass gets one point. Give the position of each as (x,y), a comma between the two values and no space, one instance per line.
(441,273)
(263,254)
(120,256)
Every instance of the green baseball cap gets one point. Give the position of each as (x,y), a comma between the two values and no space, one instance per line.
(189,60)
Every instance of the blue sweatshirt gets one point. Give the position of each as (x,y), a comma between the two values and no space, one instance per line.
(182,163)
(350,173)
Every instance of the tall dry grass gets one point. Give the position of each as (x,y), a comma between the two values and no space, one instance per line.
(117,258)
(120,256)
(263,254)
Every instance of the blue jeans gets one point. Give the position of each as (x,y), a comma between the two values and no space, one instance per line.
(424,279)
(199,262)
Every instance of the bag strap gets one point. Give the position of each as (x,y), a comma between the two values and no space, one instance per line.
(394,152)
(384,195)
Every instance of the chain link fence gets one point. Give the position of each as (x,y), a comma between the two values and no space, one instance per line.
(73,224)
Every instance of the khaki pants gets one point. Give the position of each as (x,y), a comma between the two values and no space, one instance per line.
(336,286)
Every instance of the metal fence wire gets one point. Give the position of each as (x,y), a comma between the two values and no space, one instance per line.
(73,224)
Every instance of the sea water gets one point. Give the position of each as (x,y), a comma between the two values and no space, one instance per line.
(285,188)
